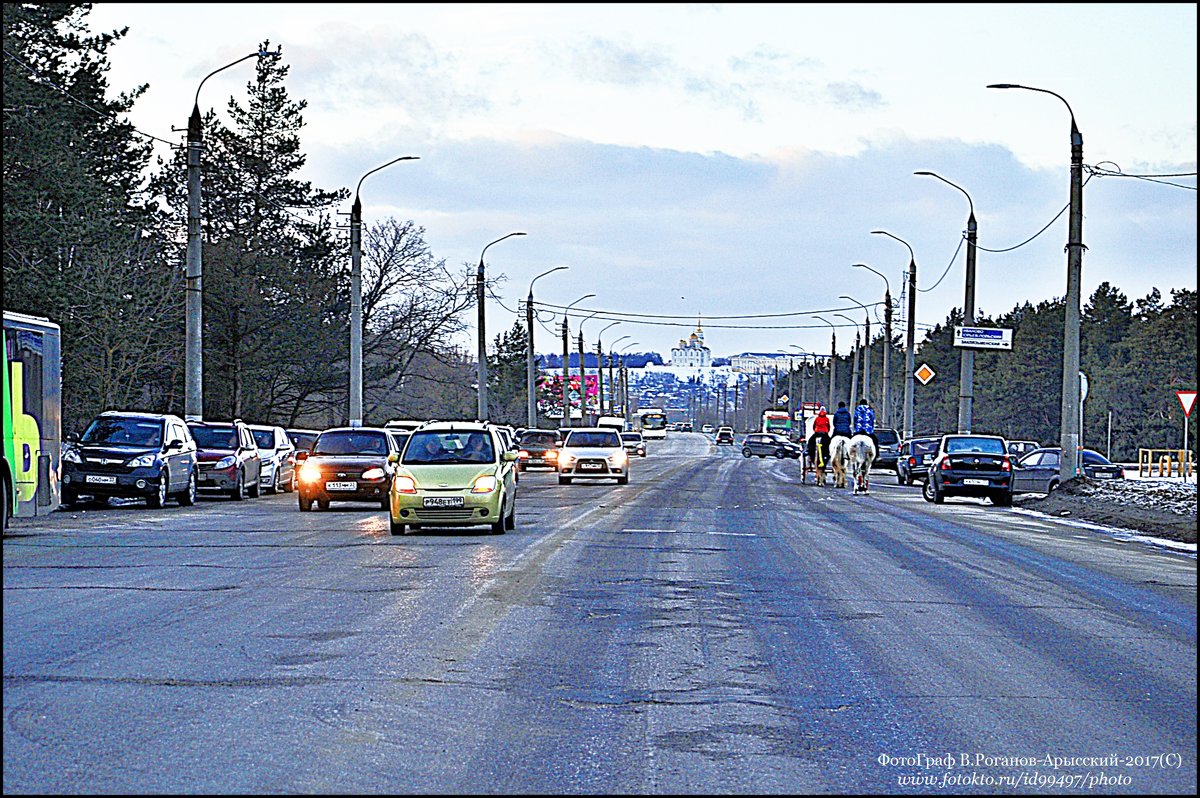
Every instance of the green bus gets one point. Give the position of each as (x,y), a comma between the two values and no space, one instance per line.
(32,411)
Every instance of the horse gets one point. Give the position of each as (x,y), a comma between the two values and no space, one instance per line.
(818,456)
(839,459)
(861,453)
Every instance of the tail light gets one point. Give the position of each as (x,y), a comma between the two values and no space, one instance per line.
(1005,464)
(946,464)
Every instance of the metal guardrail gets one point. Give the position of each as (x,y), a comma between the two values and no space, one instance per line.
(1167,462)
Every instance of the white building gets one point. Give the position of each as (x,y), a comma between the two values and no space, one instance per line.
(691,352)
(762,362)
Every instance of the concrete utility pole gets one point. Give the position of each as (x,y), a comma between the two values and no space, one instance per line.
(887,346)
(832,405)
(1069,436)
(481,370)
(530,369)
(911,339)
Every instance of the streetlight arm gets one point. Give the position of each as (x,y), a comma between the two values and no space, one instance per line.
(377,168)
(256,53)
(543,274)
(885,279)
(1076,137)
(960,188)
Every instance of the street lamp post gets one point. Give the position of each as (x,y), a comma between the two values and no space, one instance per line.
(600,370)
(854,365)
(356,380)
(867,347)
(832,361)
(531,415)
(193,407)
(887,344)
(910,340)
(612,384)
(583,375)
(566,362)
(966,381)
(481,372)
(1069,434)
(625,379)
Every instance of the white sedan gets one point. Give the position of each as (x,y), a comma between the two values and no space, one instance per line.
(593,453)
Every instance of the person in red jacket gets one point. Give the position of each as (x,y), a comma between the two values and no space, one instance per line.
(818,445)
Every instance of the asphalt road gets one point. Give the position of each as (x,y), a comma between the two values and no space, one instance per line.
(712,627)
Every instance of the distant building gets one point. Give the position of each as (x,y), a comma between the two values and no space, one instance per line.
(760,362)
(691,352)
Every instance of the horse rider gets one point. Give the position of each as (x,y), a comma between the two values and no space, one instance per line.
(864,420)
(818,442)
(842,422)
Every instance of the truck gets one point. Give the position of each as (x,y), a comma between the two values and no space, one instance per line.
(613,422)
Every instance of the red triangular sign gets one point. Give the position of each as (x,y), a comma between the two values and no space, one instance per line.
(1187,399)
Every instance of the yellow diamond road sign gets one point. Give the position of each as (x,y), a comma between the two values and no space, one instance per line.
(924,374)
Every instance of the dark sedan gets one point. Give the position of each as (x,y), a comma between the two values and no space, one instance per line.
(971,465)
(1038,471)
(769,444)
(347,464)
(537,448)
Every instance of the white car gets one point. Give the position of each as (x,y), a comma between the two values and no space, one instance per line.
(593,453)
(278,458)
(707,429)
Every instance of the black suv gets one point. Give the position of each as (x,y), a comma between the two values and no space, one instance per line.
(971,465)
(912,464)
(887,447)
(763,444)
(131,455)
(229,458)
(347,464)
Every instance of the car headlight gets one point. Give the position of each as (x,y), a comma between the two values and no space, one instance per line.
(484,483)
(226,462)
(404,484)
(374,473)
(310,472)
(619,458)
(564,460)
(143,461)
(71,456)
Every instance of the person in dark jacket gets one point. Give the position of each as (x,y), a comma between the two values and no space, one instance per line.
(841,421)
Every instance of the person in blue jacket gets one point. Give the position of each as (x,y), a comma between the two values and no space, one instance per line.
(841,422)
(864,419)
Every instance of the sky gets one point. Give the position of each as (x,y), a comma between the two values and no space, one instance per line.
(725,164)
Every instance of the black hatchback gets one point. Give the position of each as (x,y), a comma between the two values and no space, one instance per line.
(769,444)
(131,455)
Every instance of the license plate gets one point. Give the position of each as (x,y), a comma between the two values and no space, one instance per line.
(443,501)
(341,486)
(927,458)
(590,466)
(983,482)
(1102,475)
(100,479)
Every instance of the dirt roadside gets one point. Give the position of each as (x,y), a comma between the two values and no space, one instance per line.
(1164,509)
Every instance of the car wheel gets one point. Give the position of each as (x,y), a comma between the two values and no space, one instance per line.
(69,497)
(498,527)
(256,488)
(927,491)
(290,485)
(305,504)
(397,529)
(239,490)
(188,497)
(900,478)
(274,483)
(385,503)
(323,504)
(780,454)
(511,521)
(160,496)
(1002,499)
(623,480)
(564,480)
(1053,486)
(746,453)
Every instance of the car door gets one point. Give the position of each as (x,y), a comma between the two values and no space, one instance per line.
(1033,473)
(179,460)
(254,458)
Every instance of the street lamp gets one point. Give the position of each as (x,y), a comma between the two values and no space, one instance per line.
(482,367)
(625,378)
(600,370)
(867,347)
(966,380)
(854,365)
(531,416)
(583,375)
(193,407)
(612,383)
(910,341)
(356,380)
(887,342)
(566,361)
(1069,438)
(832,360)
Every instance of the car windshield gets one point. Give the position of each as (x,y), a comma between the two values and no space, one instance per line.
(632,437)
(886,437)
(264,438)
(351,443)
(303,440)
(215,437)
(142,433)
(450,448)
(538,439)
(592,440)
(976,445)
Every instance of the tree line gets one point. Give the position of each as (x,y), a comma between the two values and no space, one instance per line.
(95,231)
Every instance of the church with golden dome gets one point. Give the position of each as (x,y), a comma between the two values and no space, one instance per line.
(691,351)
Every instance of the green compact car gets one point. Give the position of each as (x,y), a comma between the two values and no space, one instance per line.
(454,473)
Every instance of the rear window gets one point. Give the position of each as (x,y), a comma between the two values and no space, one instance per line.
(214,437)
(924,447)
(886,437)
(979,445)
(631,436)
(303,440)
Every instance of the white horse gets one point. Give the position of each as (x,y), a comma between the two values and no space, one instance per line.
(861,453)
(839,459)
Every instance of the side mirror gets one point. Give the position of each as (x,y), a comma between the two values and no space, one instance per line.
(175,443)
(510,456)
(72,437)
(302,455)
(393,458)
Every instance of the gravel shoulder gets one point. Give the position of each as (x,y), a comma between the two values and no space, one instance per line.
(1164,509)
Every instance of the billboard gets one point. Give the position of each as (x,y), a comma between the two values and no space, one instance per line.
(549,394)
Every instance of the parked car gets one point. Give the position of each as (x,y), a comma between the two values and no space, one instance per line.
(347,464)
(707,429)
(399,437)
(887,451)
(303,439)
(724,435)
(914,458)
(1019,449)
(970,465)
(634,443)
(454,473)
(131,455)
(593,453)
(1038,471)
(229,460)
(537,448)
(406,424)
(278,458)
(769,444)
